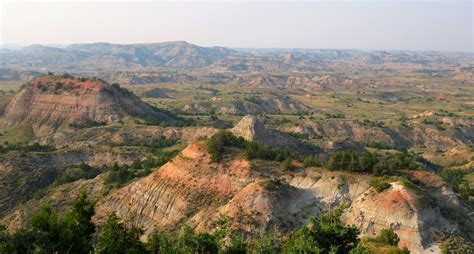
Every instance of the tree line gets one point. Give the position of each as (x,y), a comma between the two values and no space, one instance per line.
(74,232)
(35,147)
(361,162)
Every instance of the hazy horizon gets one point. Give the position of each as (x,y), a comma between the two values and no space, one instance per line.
(361,25)
(63,46)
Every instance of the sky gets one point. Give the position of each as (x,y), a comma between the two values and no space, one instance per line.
(442,25)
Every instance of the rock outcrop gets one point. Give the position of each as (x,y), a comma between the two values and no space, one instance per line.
(420,217)
(251,129)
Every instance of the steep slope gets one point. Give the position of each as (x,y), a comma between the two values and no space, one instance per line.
(418,225)
(191,189)
(176,191)
(268,205)
(50,102)
(420,216)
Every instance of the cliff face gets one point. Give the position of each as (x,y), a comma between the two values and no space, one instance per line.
(421,218)
(176,191)
(51,102)
(191,189)
(263,206)
(418,225)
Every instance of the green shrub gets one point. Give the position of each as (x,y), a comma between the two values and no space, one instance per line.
(369,163)
(379,145)
(396,250)
(158,159)
(191,242)
(351,161)
(387,236)
(298,135)
(118,175)
(360,249)
(324,234)
(35,147)
(86,124)
(52,233)
(257,150)
(301,241)
(159,244)
(155,142)
(58,86)
(379,184)
(116,237)
(237,246)
(312,161)
(220,140)
(455,178)
(272,184)
(287,164)
(263,246)
(341,182)
(83,171)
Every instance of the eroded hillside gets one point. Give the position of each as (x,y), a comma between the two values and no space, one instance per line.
(391,142)
(50,102)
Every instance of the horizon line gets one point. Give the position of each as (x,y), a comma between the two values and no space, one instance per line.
(20,46)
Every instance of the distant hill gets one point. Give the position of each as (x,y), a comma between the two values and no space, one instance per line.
(180,54)
(107,55)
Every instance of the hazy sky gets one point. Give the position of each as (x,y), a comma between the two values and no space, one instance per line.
(423,25)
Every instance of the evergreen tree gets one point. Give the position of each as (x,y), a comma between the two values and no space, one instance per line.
(117,238)
(324,234)
(159,244)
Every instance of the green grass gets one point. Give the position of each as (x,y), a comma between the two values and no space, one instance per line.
(16,134)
